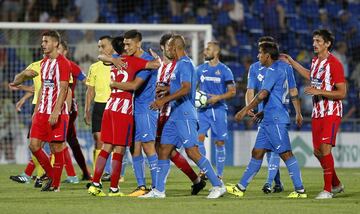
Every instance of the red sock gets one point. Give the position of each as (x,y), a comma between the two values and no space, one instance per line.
(44,162)
(335,180)
(184,166)
(116,169)
(69,167)
(100,165)
(29,168)
(58,167)
(327,163)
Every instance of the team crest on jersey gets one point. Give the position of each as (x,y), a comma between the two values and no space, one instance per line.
(49,83)
(202,78)
(260,77)
(218,72)
(316,82)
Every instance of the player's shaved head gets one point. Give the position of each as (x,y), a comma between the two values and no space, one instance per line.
(216,46)
(178,41)
(107,37)
(133,34)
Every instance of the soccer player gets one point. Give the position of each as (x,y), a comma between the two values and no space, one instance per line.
(117,123)
(163,79)
(217,81)
(255,78)
(51,117)
(273,130)
(98,89)
(328,88)
(181,127)
(71,137)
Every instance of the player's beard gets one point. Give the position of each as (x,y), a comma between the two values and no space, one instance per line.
(209,58)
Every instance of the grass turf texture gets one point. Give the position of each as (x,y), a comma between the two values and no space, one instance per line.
(73,198)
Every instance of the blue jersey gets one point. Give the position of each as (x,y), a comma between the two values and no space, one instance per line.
(276,83)
(256,76)
(146,93)
(214,80)
(183,108)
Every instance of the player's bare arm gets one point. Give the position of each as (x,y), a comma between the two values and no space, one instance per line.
(338,94)
(231,92)
(64,86)
(294,96)
(259,97)
(249,95)
(184,90)
(297,66)
(128,86)
(90,94)
(22,101)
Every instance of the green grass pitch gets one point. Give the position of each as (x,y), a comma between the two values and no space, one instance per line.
(73,198)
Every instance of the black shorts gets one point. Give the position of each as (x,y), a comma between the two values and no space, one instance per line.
(32,112)
(96,116)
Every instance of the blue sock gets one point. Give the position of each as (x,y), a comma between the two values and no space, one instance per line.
(251,170)
(162,173)
(220,159)
(294,172)
(123,165)
(108,165)
(153,165)
(268,156)
(201,148)
(138,165)
(273,169)
(206,167)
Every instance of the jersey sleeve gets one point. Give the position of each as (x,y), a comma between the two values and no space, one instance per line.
(90,80)
(35,66)
(337,72)
(251,84)
(64,69)
(269,80)
(186,69)
(291,77)
(138,63)
(228,76)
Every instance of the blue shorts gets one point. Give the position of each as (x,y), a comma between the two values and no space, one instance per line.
(216,119)
(274,137)
(145,127)
(180,133)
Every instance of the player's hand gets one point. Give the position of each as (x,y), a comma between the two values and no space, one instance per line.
(240,115)
(286,58)
(312,91)
(258,117)
(157,104)
(299,120)
(13,87)
(251,113)
(119,63)
(19,104)
(87,118)
(54,117)
(154,54)
(161,91)
(213,99)
(112,84)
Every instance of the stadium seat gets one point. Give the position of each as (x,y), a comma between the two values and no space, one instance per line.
(131,18)
(177,19)
(203,20)
(253,25)
(332,9)
(298,25)
(154,18)
(223,19)
(309,9)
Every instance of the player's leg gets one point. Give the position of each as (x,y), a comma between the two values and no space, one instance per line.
(139,170)
(69,167)
(57,148)
(219,131)
(204,125)
(150,151)
(273,174)
(126,160)
(116,165)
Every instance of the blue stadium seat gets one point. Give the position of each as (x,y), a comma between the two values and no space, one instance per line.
(254,25)
(237,69)
(203,19)
(177,19)
(309,9)
(223,19)
(131,18)
(154,18)
(298,25)
(258,8)
(333,9)
(289,8)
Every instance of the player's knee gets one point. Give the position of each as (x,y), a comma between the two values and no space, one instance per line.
(193,154)
(201,138)
(258,154)
(286,155)
(220,143)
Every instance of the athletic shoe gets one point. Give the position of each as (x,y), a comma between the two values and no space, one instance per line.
(196,188)
(235,190)
(140,190)
(106,177)
(38,183)
(154,193)
(266,188)
(297,194)
(278,188)
(116,193)
(324,195)
(47,186)
(217,192)
(23,178)
(338,189)
(71,180)
(96,191)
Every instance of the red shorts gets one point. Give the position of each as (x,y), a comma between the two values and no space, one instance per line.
(160,126)
(324,130)
(42,130)
(117,128)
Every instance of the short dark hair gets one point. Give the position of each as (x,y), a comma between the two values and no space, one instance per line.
(64,44)
(118,44)
(133,34)
(326,35)
(53,34)
(164,38)
(266,39)
(270,48)
(179,41)
(106,37)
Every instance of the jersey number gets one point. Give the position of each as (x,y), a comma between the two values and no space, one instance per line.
(124,79)
(285,97)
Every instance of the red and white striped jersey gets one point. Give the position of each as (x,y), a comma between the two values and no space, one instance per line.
(122,101)
(163,79)
(52,72)
(324,75)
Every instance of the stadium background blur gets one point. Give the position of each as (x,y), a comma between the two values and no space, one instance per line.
(237,24)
